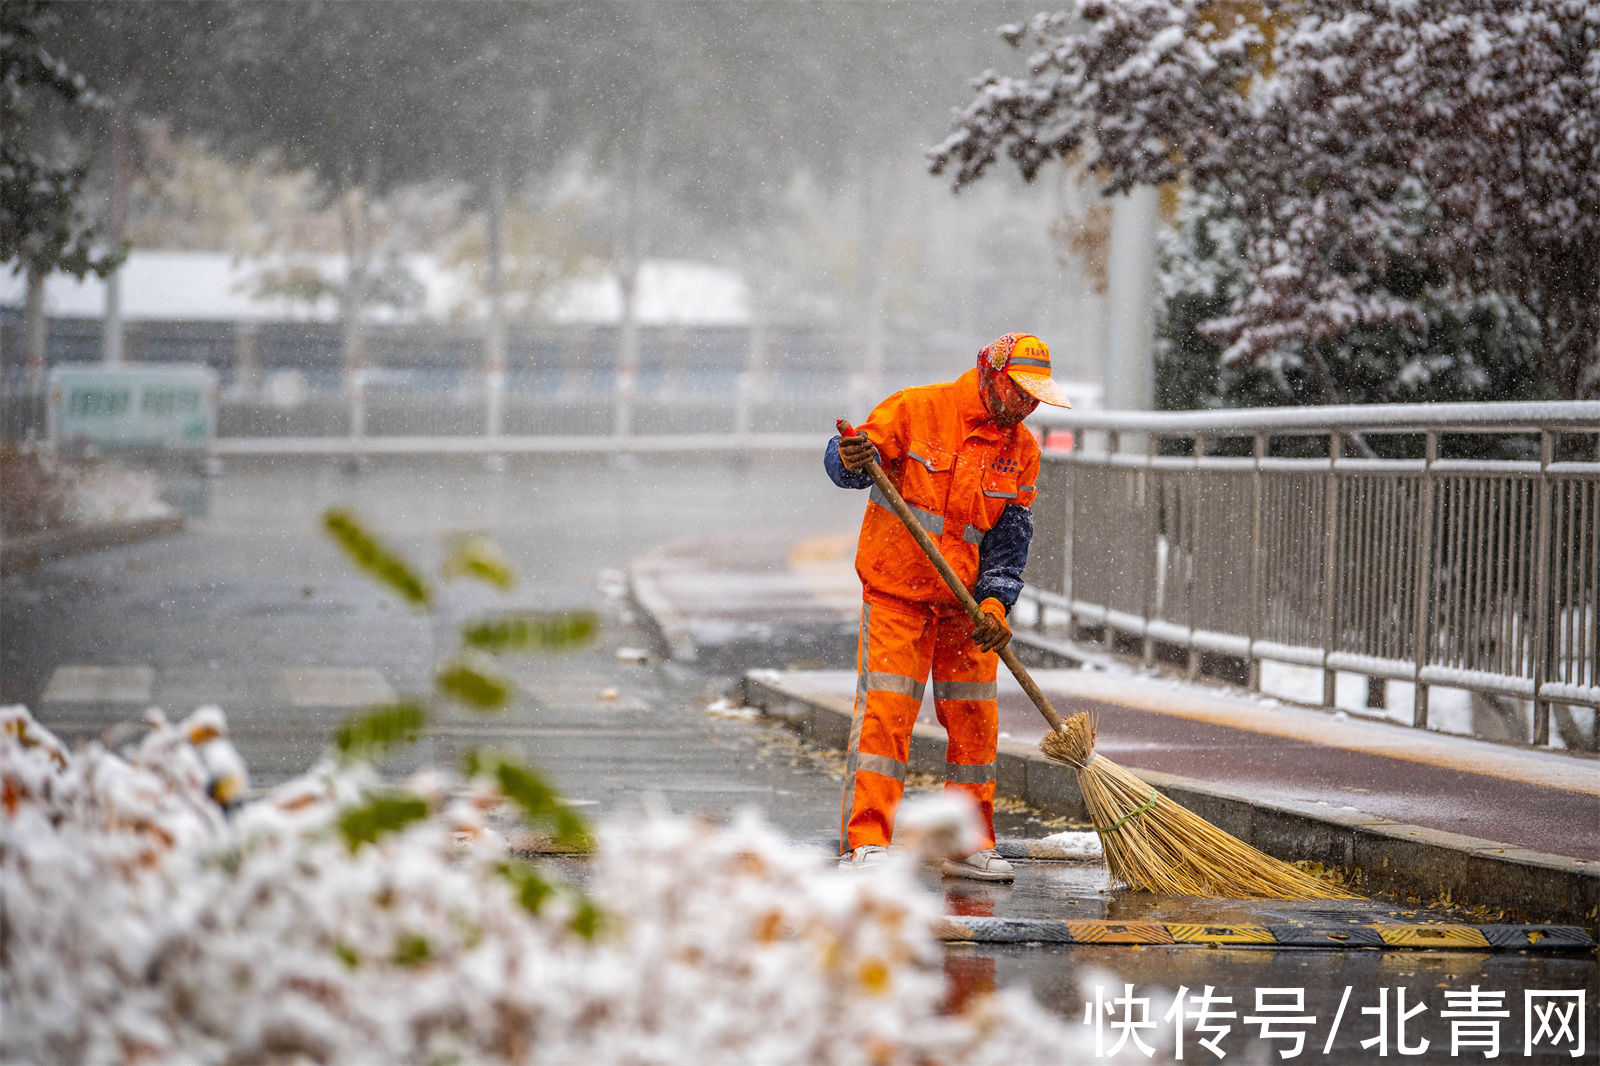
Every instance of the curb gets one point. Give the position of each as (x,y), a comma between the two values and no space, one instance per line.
(670,630)
(1382,855)
(24,553)
(674,641)
(1540,939)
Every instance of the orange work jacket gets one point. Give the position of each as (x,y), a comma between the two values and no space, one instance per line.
(957,469)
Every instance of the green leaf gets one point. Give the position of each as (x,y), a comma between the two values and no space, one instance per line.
(534,889)
(586,923)
(375,732)
(531,632)
(373,557)
(380,815)
(540,803)
(479,762)
(412,949)
(476,556)
(466,681)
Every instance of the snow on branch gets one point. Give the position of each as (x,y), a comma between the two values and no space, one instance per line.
(1322,126)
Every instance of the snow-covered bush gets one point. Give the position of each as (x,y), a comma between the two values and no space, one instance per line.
(39,492)
(140,923)
(103,492)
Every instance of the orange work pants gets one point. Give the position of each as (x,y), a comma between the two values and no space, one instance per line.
(899,642)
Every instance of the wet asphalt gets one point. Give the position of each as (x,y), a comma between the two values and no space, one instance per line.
(252,599)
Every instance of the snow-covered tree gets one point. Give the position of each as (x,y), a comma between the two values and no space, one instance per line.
(1310,122)
(1470,347)
(42,224)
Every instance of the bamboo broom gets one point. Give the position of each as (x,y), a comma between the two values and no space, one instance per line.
(1151,843)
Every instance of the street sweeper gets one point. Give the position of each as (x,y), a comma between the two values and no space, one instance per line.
(967,467)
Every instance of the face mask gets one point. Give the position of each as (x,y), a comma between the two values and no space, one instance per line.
(1008,404)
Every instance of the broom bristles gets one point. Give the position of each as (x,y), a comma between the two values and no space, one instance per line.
(1154,844)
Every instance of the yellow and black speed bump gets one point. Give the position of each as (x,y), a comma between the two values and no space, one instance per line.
(1521,937)
(1326,936)
(1381,936)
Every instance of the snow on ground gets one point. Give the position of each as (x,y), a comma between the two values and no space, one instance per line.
(1068,845)
(144,924)
(1449,709)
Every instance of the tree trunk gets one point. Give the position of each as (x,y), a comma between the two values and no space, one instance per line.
(632,242)
(867,374)
(358,252)
(35,330)
(626,384)
(753,381)
(111,352)
(494,339)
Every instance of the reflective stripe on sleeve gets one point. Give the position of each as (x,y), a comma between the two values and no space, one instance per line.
(1000,495)
(933,523)
(957,774)
(966,690)
(1027,488)
(973,535)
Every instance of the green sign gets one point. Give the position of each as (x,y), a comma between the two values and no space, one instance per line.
(151,406)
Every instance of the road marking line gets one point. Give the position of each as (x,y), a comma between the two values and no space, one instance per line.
(336,686)
(99,684)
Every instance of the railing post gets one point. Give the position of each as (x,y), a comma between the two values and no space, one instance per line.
(1330,560)
(1193,664)
(1107,635)
(1155,576)
(1072,540)
(1259,452)
(1424,575)
(1544,591)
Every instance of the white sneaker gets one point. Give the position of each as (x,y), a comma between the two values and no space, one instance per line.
(864,856)
(985,865)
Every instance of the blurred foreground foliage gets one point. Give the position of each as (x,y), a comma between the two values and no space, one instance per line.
(468,678)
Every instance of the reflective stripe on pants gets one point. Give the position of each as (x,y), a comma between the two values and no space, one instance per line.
(899,644)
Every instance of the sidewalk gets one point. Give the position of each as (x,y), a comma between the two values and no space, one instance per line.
(1407,811)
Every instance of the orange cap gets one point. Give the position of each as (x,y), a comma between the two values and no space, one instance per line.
(1027,359)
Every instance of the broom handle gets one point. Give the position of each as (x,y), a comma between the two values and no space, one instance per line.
(931,550)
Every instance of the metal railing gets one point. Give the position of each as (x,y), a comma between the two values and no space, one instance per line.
(1481,575)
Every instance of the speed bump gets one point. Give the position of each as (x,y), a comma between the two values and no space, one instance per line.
(1432,936)
(1099,932)
(1221,934)
(1380,936)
